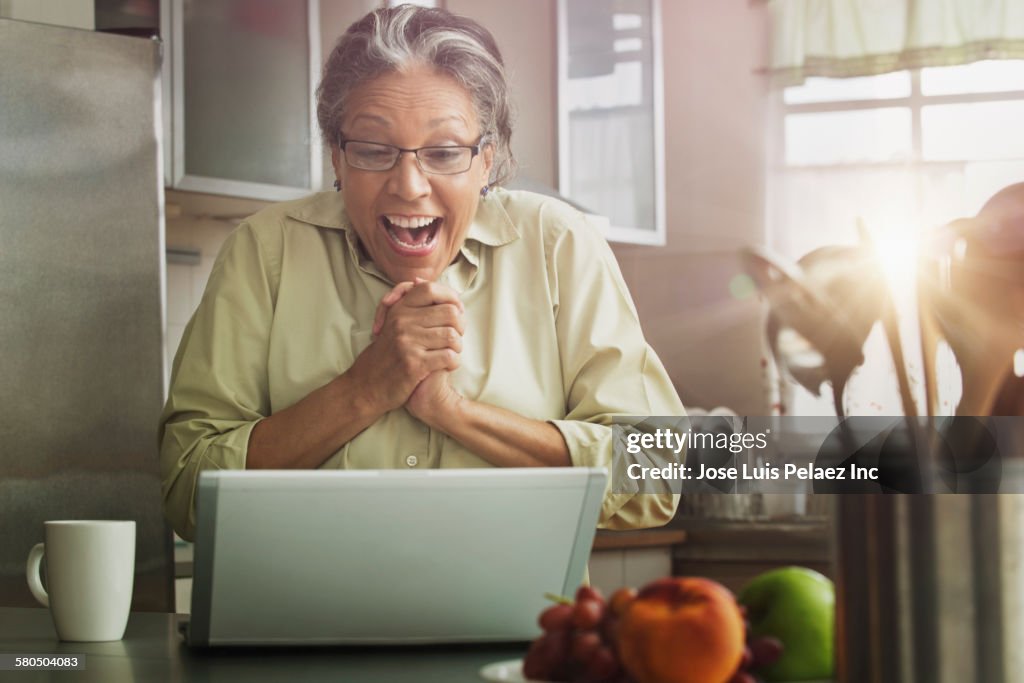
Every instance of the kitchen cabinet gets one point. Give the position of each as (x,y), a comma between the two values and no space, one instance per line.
(69,13)
(239,102)
(184,553)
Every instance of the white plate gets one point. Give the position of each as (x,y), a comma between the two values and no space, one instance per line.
(510,671)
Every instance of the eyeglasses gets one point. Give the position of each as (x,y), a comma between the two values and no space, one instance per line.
(375,156)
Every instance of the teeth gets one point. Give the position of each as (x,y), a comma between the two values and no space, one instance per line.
(410,222)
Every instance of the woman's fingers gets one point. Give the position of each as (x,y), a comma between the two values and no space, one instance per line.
(397,292)
(419,294)
(441,315)
(389,300)
(417,329)
(440,359)
(378,318)
(443,338)
(424,293)
(409,318)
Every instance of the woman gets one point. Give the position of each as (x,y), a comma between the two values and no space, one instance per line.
(420,316)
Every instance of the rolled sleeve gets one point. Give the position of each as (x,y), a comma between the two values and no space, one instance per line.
(608,368)
(219,381)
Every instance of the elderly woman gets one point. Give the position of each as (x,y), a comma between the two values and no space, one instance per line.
(420,317)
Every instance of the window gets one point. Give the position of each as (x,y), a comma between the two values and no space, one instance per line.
(611,156)
(899,153)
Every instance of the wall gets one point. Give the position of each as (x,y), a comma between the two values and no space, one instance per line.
(335,17)
(716,107)
(525,33)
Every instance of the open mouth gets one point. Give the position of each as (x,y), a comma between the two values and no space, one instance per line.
(412,236)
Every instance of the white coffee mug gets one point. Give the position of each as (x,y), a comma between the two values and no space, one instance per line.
(90,572)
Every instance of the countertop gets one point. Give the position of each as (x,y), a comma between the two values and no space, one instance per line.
(152,650)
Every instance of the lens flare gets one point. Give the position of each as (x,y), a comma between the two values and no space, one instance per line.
(897,251)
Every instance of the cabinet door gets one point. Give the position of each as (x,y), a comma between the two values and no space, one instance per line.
(243,116)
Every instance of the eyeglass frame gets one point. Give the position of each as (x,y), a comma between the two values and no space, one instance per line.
(474,152)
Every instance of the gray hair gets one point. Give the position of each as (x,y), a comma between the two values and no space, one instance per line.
(393,38)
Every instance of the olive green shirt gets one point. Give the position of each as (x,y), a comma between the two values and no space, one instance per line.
(551,333)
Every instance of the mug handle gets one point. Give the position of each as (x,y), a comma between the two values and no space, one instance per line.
(35,559)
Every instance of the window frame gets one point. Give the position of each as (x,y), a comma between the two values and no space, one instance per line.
(915,102)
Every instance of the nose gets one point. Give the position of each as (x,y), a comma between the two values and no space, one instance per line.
(407,180)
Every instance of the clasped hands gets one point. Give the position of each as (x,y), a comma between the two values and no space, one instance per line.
(417,339)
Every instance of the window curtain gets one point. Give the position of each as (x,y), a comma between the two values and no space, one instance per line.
(843,38)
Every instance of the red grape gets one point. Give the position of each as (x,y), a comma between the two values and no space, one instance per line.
(759,651)
(578,643)
(556,618)
(584,643)
(610,629)
(602,666)
(587,614)
(742,677)
(546,658)
(765,650)
(537,664)
(589,593)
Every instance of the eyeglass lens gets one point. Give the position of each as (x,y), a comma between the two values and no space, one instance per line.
(371,156)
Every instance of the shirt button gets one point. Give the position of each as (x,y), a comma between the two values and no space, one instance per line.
(411,461)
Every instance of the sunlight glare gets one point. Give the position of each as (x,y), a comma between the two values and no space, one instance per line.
(896,246)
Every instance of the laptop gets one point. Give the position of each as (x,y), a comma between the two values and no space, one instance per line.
(387,556)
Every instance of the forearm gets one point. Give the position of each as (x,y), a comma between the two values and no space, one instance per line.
(502,437)
(307,433)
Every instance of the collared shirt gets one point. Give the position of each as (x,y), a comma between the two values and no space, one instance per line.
(551,333)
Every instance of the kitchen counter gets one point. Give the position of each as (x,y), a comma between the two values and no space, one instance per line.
(733,552)
(645,538)
(152,650)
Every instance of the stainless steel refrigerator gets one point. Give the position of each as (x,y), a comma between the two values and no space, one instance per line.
(81,294)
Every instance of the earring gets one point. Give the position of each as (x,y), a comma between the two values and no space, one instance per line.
(337,185)
(484,190)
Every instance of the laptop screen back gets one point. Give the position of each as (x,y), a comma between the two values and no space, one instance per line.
(384,556)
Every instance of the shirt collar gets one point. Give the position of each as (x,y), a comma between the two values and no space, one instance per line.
(492,225)
(324,209)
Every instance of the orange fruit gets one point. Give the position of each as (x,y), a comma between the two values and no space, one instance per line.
(682,630)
